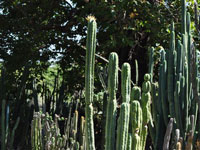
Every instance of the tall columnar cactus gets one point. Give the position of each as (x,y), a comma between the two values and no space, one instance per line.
(122,127)
(126,82)
(89,82)
(123,120)
(112,103)
(163,85)
(136,123)
(146,110)
(170,76)
(136,72)
(178,80)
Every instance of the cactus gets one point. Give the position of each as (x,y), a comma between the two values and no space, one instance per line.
(177,78)
(129,143)
(170,76)
(112,103)
(136,72)
(123,120)
(89,82)
(126,82)
(146,110)
(136,123)
(163,85)
(122,127)
(82,134)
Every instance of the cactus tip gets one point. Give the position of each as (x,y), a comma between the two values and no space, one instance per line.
(90,18)
(146,77)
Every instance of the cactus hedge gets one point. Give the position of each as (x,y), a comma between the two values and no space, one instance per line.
(175,92)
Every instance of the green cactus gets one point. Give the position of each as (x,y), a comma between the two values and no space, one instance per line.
(122,127)
(180,76)
(129,143)
(126,82)
(136,93)
(89,82)
(136,72)
(163,86)
(183,19)
(146,110)
(170,76)
(136,123)
(82,133)
(112,103)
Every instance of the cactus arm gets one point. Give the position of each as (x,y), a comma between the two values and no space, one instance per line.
(146,112)
(163,86)
(89,82)
(129,143)
(183,19)
(112,103)
(122,127)
(170,76)
(136,72)
(126,82)
(177,107)
(136,123)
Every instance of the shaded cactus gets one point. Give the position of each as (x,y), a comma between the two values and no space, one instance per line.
(177,89)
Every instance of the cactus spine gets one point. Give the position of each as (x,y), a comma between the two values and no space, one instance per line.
(112,103)
(89,82)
